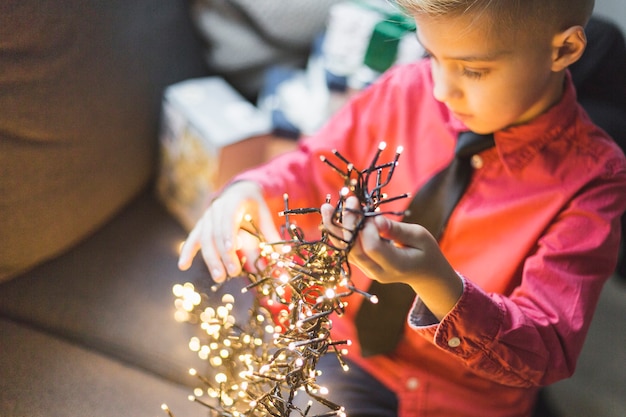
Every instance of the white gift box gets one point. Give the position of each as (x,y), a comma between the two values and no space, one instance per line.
(209,133)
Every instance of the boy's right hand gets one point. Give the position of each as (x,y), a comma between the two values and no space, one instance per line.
(215,234)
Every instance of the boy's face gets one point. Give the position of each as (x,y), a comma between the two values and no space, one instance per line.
(487,82)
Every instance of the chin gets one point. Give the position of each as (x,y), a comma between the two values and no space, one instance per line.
(481,129)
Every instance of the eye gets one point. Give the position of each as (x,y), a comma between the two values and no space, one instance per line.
(473,74)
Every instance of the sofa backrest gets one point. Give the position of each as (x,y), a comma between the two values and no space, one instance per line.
(80,92)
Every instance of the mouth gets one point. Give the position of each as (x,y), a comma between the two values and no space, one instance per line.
(461,116)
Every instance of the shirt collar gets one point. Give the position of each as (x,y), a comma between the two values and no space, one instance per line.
(518,145)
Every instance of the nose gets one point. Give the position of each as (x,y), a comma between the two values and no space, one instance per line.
(446,87)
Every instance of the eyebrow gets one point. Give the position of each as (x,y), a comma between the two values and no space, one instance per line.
(481,58)
(489,57)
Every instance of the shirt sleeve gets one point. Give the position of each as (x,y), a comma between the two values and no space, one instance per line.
(534,335)
(355,131)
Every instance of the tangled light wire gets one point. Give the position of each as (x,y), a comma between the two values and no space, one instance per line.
(259,365)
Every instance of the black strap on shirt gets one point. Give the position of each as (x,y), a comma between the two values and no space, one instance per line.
(380,326)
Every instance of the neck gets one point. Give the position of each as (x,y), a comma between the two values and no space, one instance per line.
(554,88)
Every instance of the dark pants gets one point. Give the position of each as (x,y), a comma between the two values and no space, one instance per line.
(356,390)
(363,396)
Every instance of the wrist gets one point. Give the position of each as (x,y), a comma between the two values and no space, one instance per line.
(441,293)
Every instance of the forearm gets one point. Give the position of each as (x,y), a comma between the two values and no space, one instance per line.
(441,292)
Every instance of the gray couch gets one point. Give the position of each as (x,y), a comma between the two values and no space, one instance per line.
(87,253)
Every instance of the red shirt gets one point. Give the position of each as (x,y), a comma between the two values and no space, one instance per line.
(535,237)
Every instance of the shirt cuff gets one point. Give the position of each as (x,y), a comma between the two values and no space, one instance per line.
(420,316)
(471,325)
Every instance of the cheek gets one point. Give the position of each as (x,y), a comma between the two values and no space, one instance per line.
(491,102)
(512,93)
(528,82)
(496,107)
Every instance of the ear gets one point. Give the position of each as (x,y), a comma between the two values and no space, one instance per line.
(567,47)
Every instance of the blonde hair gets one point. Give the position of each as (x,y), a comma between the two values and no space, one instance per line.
(518,15)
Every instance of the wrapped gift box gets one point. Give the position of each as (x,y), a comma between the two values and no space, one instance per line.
(209,133)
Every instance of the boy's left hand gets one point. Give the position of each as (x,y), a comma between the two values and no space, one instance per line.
(391,251)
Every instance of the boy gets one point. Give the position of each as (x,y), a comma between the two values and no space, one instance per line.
(506,294)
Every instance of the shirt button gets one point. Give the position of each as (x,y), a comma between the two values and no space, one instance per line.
(412,384)
(477,162)
(454,342)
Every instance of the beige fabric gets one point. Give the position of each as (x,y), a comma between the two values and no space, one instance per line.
(80,88)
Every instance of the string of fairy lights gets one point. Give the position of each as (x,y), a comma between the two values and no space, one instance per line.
(265,363)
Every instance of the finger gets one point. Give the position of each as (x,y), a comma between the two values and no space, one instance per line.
(330,224)
(190,248)
(267,226)
(209,252)
(226,224)
(247,244)
(363,252)
(351,217)
(404,234)
(399,246)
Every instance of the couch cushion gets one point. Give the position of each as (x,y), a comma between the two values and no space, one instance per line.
(113,293)
(48,377)
(81,86)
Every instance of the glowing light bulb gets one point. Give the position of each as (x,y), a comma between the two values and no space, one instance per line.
(181,316)
(178,291)
(188,305)
(310,272)
(194,344)
(222,312)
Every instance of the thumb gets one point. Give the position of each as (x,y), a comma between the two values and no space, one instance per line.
(402,234)
(267,226)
